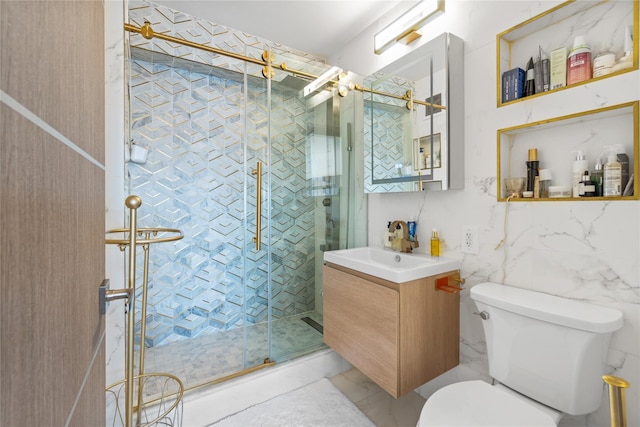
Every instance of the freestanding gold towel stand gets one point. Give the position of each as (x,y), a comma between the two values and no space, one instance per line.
(133,203)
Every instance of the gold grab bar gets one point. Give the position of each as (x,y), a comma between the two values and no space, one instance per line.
(258,173)
(133,203)
(617,400)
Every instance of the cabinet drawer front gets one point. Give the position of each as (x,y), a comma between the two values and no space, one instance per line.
(361,324)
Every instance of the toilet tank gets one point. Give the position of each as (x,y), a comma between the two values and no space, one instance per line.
(550,349)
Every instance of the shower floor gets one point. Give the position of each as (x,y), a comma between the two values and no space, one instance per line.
(199,360)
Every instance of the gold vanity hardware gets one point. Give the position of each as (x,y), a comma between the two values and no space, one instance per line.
(442,284)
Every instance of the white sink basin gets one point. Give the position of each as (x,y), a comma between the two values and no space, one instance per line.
(390,265)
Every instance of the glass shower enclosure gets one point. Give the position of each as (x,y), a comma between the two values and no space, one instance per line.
(260,180)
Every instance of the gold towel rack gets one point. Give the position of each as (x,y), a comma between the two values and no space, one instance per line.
(133,203)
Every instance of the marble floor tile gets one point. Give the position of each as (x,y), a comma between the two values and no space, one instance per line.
(377,404)
(202,359)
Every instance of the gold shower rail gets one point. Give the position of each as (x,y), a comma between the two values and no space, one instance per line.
(267,63)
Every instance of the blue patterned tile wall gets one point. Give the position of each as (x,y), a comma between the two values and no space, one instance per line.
(204,128)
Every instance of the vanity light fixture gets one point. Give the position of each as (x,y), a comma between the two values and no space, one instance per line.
(407,25)
(328,75)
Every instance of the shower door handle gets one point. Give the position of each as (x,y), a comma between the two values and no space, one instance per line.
(258,173)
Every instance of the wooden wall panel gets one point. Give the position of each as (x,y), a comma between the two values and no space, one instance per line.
(54,65)
(51,226)
(51,214)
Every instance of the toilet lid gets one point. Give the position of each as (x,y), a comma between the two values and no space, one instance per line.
(477,403)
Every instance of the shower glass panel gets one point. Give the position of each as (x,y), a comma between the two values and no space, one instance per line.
(217,303)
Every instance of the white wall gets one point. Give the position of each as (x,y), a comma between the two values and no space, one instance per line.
(115,189)
(582,250)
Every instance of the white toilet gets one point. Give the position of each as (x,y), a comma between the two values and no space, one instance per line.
(546,355)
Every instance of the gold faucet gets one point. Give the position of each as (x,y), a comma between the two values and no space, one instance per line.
(406,245)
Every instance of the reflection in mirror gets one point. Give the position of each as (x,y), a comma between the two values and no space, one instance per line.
(413,113)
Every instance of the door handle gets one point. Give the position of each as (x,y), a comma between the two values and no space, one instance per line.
(106,295)
(258,173)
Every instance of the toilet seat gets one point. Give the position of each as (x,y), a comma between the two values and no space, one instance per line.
(477,403)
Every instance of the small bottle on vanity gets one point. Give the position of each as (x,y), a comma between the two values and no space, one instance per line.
(435,243)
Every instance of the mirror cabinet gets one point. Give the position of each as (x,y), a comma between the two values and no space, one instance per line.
(413,120)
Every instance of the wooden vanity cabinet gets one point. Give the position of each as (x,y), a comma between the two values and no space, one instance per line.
(400,335)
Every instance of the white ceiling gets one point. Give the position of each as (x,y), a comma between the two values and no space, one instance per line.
(319,27)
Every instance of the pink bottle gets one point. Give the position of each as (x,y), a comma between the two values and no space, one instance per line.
(579,66)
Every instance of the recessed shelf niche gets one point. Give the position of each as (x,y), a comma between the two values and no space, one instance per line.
(602,23)
(558,138)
